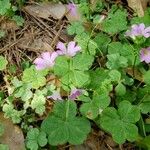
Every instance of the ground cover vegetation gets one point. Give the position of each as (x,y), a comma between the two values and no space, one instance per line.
(90,82)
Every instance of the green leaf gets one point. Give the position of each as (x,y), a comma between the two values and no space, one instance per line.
(144,142)
(79,78)
(144,103)
(87,44)
(116,22)
(3,63)
(18,19)
(65,127)
(115,75)
(93,108)
(82,61)
(70,72)
(35,138)
(120,89)
(102,41)
(121,123)
(59,69)
(34,77)
(4,147)
(38,103)
(97,75)
(147,77)
(75,28)
(5,5)
(24,92)
(115,61)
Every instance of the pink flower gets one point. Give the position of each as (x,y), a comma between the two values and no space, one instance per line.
(71,49)
(72,8)
(55,96)
(138,30)
(75,93)
(47,60)
(145,55)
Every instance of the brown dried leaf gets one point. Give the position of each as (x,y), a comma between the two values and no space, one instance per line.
(137,74)
(138,6)
(46,10)
(12,136)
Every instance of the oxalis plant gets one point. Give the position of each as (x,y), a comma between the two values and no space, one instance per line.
(102,77)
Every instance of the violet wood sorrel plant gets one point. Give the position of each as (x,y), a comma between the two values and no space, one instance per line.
(101,78)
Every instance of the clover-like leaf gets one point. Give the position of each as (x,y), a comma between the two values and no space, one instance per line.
(121,123)
(35,138)
(3,63)
(38,103)
(116,21)
(34,77)
(63,126)
(93,108)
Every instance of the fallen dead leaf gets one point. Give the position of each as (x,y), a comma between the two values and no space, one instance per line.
(12,136)
(46,10)
(137,74)
(138,6)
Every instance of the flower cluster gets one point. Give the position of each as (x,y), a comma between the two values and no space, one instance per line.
(47,59)
(72,8)
(73,94)
(138,30)
(145,55)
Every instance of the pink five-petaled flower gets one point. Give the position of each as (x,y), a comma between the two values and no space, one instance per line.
(72,8)
(75,93)
(138,30)
(71,49)
(46,60)
(145,55)
(55,96)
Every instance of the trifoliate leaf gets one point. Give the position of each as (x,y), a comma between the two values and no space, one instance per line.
(116,22)
(35,138)
(65,127)
(72,71)
(121,123)
(3,63)
(34,77)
